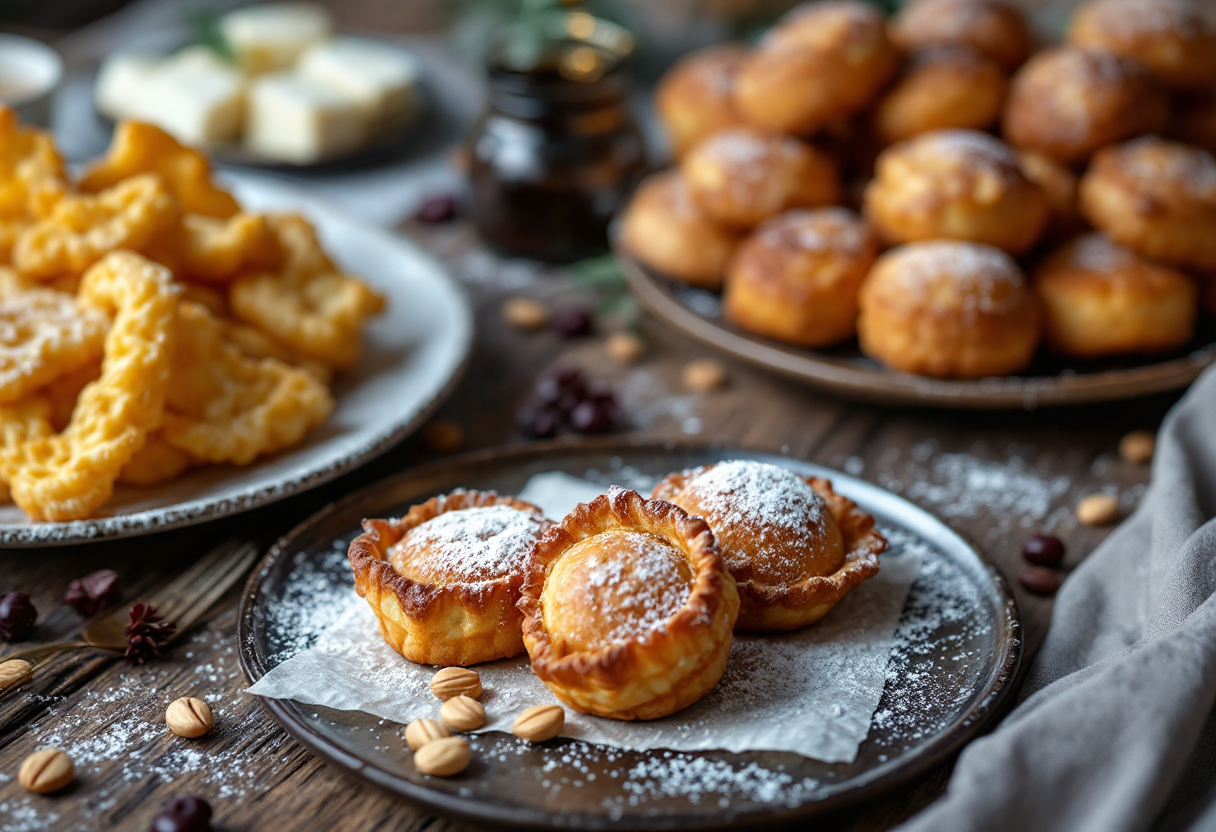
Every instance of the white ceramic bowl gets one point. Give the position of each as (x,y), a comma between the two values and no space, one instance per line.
(30,72)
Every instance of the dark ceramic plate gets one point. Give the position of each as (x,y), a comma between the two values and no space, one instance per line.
(845,371)
(957,651)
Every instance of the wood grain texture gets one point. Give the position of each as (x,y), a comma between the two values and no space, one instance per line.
(258,778)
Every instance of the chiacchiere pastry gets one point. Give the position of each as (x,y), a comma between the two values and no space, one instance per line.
(444,579)
(794,546)
(628,608)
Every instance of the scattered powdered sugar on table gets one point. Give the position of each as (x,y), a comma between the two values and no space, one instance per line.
(483,542)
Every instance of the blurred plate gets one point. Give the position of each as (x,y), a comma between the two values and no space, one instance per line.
(958,607)
(414,354)
(846,372)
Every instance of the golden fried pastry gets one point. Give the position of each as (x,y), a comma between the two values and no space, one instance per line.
(694,99)
(821,63)
(32,176)
(628,608)
(1156,197)
(1102,299)
(1193,120)
(991,27)
(1059,185)
(794,546)
(955,184)
(445,578)
(743,176)
(797,278)
(668,232)
(950,86)
(1175,39)
(1067,102)
(948,309)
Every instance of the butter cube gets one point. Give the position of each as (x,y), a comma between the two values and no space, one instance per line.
(197,102)
(293,119)
(383,79)
(273,36)
(122,83)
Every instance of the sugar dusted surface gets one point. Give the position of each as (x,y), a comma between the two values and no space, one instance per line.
(470,545)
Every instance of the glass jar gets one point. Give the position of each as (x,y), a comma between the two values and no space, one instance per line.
(558,151)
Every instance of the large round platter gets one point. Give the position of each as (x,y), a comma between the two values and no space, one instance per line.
(929,708)
(414,354)
(846,372)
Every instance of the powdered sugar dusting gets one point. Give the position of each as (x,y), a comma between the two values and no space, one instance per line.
(470,545)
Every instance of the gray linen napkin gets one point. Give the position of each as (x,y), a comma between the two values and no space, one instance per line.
(1116,729)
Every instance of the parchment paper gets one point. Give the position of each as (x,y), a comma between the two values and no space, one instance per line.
(812,692)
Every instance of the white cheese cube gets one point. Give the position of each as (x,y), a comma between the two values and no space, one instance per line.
(273,36)
(382,78)
(196,102)
(295,120)
(122,84)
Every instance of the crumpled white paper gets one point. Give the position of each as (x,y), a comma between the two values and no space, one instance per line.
(812,692)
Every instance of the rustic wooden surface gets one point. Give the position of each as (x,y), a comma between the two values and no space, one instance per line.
(258,778)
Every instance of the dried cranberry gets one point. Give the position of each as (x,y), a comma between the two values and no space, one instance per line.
(538,421)
(1039,580)
(437,209)
(94,592)
(17,616)
(183,814)
(147,632)
(1043,550)
(572,321)
(594,416)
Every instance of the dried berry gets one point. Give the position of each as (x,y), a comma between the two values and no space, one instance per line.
(572,321)
(1043,550)
(183,814)
(538,421)
(562,388)
(437,209)
(1039,580)
(94,592)
(147,632)
(598,413)
(17,616)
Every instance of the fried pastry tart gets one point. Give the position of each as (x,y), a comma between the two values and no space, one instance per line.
(1175,39)
(991,27)
(628,608)
(1156,197)
(948,309)
(743,176)
(445,578)
(1102,299)
(667,231)
(942,88)
(694,99)
(794,546)
(1067,102)
(797,278)
(821,63)
(956,185)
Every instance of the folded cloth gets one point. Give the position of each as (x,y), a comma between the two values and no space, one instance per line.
(1115,730)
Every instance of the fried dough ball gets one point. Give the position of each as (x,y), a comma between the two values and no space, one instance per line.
(1156,197)
(823,62)
(743,176)
(1067,102)
(1193,120)
(948,309)
(1059,185)
(991,27)
(666,230)
(958,185)
(797,278)
(1175,39)
(1102,299)
(694,99)
(942,88)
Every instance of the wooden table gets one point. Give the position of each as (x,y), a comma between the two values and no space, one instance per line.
(993,476)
